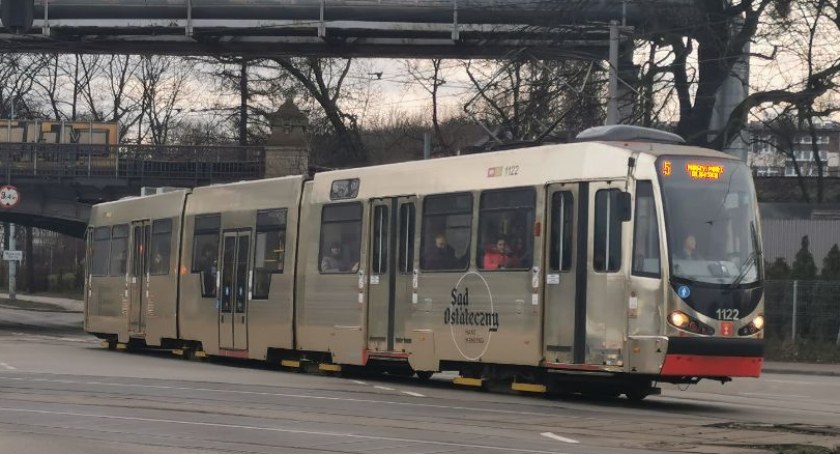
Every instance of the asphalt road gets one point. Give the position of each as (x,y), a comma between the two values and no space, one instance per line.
(61,393)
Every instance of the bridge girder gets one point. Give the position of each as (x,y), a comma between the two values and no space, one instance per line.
(336,28)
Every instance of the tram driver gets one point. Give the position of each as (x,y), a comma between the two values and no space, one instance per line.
(689,248)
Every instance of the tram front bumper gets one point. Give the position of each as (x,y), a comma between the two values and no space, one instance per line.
(713,357)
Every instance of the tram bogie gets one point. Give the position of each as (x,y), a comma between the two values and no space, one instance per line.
(606,265)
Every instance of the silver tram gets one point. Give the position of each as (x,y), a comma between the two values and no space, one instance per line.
(602,266)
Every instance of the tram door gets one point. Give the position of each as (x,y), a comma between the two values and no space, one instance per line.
(139,277)
(234,291)
(391,265)
(566,219)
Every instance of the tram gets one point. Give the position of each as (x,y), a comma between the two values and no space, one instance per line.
(607,265)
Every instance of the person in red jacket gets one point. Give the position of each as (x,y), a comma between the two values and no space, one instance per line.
(499,257)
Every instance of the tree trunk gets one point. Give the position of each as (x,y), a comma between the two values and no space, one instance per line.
(243,103)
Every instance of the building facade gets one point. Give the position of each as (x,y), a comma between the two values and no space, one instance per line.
(779,153)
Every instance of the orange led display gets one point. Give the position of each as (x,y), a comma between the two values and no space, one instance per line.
(666,168)
(704,171)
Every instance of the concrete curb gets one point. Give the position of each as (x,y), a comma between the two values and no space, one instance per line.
(31,309)
(804,371)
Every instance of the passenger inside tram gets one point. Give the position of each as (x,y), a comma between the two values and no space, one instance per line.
(334,261)
(441,256)
(499,256)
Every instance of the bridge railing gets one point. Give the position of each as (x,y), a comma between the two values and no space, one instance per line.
(139,163)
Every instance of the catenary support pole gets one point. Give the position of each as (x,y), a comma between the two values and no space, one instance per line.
(793,323)
(612,105)
(12,263)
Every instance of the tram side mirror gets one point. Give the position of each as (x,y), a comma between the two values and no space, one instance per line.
(625,206)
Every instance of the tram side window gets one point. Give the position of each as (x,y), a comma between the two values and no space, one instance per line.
(206,251)
(101,251)
(341,238)
(379,259)
(562,231)
(607,253)
(119,250)
(406,242)
(447,222)
(505,226)
(161,246)
(645,233)
(270,251)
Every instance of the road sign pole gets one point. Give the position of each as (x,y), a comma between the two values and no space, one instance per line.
(12,263)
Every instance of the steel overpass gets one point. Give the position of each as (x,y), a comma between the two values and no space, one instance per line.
(338,28)
(58,183)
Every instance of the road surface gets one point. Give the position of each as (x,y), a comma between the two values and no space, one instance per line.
(61,393)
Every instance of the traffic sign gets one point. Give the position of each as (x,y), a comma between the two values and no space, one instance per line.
(13,256)
(9,196)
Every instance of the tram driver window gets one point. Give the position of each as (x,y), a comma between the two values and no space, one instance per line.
(447,221)
(101,251)
(341,235)
(161,246)
(607,253)
(645,233)
(505,226)
(270,252)
(206,251)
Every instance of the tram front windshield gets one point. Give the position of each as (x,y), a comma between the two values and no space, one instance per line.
(710,220)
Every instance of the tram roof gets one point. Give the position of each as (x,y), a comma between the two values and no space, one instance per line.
(509,168)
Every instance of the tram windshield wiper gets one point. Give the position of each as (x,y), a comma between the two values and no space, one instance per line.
(752,259)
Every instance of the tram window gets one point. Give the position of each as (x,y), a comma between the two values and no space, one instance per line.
(206,251)
(119,250)
(562,231)
(407,219)
(505,226)
(270,252)
(101,251)
(341,235)
(447,222)
(607,254)
(645,233)
(161,246)
(379,259)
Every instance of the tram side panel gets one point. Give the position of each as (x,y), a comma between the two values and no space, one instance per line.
(104,293)
(331,306)
(238,251)
(133,275)
(646,308)
(484,307)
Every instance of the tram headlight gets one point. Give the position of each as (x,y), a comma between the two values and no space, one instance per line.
(678,319)
(758,322)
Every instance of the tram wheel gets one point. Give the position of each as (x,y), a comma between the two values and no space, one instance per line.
(636,395)
(424,375)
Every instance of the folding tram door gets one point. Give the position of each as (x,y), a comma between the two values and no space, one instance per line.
(391,265)
(139,277)
(234,287)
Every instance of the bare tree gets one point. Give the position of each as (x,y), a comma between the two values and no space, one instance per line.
(164,84)
(325,80)
(431,79)
(18,73)
(529,99)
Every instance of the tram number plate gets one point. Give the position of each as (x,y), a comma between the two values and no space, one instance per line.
(727,314)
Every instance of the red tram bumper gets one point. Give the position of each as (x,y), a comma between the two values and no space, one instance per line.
(713,357)
(711,366)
